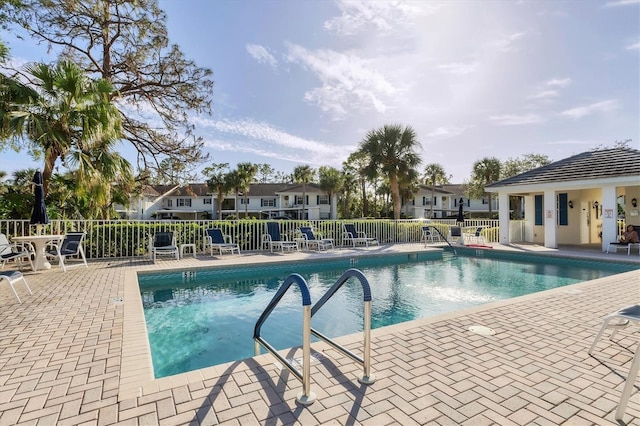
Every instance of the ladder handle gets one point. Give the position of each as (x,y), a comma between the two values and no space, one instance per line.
(291,279)
(366,288)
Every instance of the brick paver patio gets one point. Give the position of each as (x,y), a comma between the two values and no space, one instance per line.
(74,352)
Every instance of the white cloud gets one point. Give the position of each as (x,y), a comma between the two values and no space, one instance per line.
(348,82)
(381,17)
(594,108)
(263,132)
(545,94)
(509,43)
(262,55)
(447,132)
(621,3)
(516,120)
(559,82)
(633,46)
(459,68)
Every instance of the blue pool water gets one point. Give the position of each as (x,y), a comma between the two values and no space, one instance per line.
(197,319)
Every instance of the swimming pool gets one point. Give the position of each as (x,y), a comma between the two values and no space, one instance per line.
(201,318)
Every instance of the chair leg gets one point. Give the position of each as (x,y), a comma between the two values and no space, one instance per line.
(599,335)
(27,285)
(628,384)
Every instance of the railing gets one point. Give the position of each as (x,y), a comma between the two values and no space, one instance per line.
(306,397)
(130,238)
(366,378)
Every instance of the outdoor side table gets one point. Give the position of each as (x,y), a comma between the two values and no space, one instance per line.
(189,246)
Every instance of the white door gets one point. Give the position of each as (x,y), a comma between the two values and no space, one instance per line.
(585,223)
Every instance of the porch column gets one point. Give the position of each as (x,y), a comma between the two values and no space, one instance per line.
(503,216)
(609,216)
(550,227)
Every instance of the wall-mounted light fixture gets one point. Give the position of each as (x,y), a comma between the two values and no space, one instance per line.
(634,202)
(596,206)
(570,204)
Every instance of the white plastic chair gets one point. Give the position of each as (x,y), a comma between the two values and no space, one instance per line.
(15,251)
(163,243)
(12,277)
(71,245)
(625,316)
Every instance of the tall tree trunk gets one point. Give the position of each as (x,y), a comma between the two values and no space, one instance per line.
(220,200)
(304,199)
(395,196)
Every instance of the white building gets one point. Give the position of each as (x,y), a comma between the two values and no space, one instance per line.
(578,200)
(263,201)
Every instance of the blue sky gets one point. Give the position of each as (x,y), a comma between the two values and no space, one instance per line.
(301,82)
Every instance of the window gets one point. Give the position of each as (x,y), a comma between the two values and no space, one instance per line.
(538,209)
(244,200)
(426,201)
(206,201)
(563,212)
(183,202)
(169,203)
(268,202)
(323,199)
(299,199)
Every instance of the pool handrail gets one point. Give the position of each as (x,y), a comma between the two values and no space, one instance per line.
(443,237)
(306,397)
(366,378)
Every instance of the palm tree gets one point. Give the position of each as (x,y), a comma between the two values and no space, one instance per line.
(356,164)
(392,152)
(234,181)
(246,173)
(71,113)
(434,174)
(331,181)
(484,172)
(217,182)
(303,174)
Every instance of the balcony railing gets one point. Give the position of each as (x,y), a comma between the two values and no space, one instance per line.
(130,238)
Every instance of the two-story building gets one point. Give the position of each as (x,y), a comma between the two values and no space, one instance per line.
(443,202)
(263,200)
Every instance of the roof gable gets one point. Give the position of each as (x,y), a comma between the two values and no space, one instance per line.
(605,163)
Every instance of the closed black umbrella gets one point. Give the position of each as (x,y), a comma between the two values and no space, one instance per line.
(460,217)
(39,215)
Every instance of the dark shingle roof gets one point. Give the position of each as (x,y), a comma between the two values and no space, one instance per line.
(257,189)
(600,164)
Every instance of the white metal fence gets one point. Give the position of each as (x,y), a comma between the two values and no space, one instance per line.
(130,238)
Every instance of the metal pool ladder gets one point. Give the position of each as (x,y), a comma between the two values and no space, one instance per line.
(306,397)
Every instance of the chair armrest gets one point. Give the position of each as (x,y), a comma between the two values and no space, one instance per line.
(266,238)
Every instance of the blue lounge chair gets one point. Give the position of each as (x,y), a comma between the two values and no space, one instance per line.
(273,239)
(163,243)
(430,235)
(12,277)
(353,237)
(311,240)
(70,246)
(16,252)
(216,240)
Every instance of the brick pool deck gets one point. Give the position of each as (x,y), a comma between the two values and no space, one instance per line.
(75,352)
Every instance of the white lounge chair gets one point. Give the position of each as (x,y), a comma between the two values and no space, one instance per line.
(70,246)
(430,235)
(12,277)
(216,240)
(15,252)
(274,240)
(311,240)
(163,243)
(353,237)
(625,316)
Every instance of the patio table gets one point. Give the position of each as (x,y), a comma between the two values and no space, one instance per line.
(40,243)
